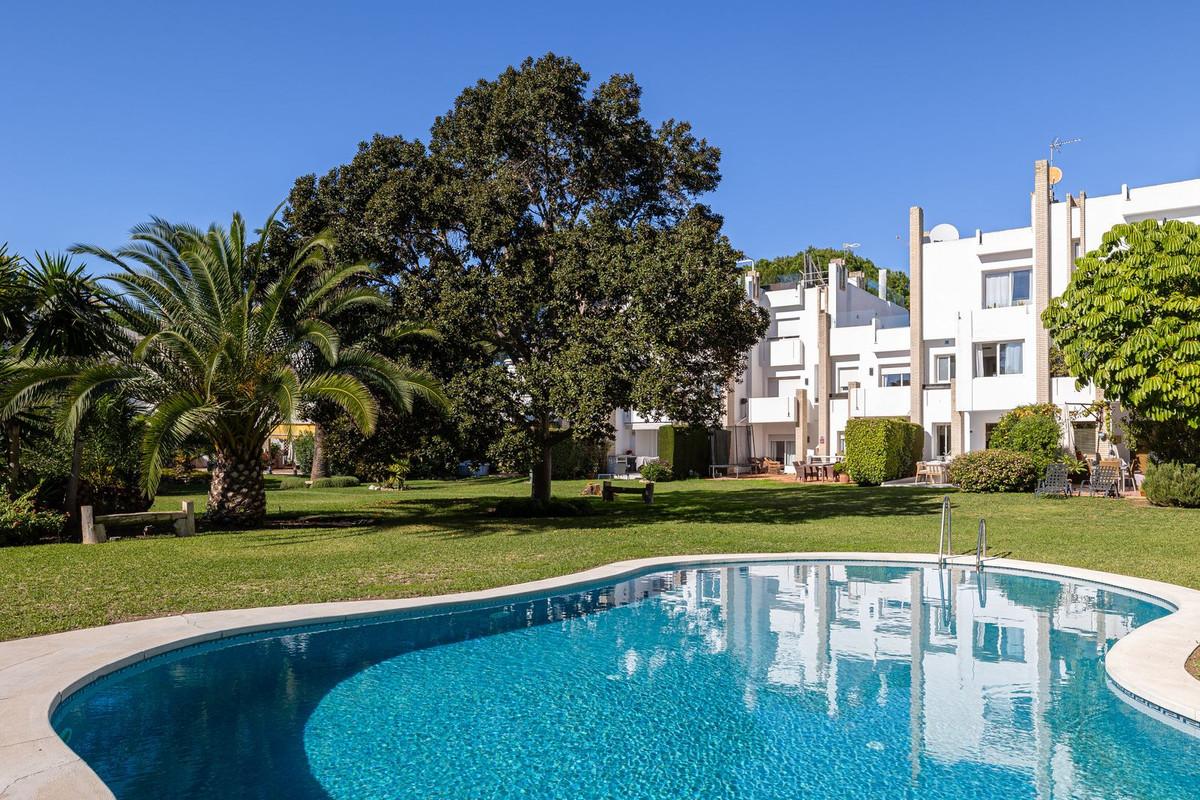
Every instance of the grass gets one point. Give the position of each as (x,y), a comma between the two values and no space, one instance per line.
(332,544)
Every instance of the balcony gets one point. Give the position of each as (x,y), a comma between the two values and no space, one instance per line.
(783,353)
(792,297)
(643,422)
(772,409)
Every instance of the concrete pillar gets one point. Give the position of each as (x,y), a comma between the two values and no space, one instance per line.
(1041,276)
(823,379)
(802,425)
(956,421)
(92,533)
(916,241)
(1083,246)
(883,276)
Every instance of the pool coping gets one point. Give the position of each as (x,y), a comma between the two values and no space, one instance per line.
(1145,668)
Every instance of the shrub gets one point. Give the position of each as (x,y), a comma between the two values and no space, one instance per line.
(1031,429)
(22,523)
(658,471)
(336,482)
(302,449)
(882,449)
(1173,483)
(398,472)
(994,470)
(521,507)
(293,483)
(571,458)
(688,449)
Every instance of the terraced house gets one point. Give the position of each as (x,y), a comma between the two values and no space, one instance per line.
(970,347)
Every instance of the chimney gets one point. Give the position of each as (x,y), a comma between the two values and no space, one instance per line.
(883,276)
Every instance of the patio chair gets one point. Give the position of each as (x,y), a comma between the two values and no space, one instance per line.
(1105,481)
(1056,482)
(772,467)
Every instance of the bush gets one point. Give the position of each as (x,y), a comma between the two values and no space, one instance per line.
(523,507)
(1031,429)
(571,459)
(293,483)
(302,449)
(1173,483)
(336,482)
(994,470)
(882,449)
(22,523)
(688,449)
(658,471)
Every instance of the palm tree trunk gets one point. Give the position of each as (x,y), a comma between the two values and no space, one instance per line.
(72,504)
(319,468)
(13,430)
(236,495)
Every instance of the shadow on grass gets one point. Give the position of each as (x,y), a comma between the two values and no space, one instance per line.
(471,517)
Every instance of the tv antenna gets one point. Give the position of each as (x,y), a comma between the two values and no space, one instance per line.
(1057,145)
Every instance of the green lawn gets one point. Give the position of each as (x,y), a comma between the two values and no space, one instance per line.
(438,537)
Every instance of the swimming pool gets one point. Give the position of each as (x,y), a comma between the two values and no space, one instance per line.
(763,680)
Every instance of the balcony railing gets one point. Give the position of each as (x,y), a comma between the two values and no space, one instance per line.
(638,418)
(772,409)
(782,353)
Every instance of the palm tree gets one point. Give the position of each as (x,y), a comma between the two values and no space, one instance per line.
(214,349)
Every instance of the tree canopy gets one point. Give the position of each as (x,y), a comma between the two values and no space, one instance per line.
(556,239)
(1129,321)
(771,269)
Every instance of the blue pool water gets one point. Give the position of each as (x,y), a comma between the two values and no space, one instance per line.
(765,681)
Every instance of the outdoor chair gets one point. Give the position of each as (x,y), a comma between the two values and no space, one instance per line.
(1056,482)
(1105,481)
(772,467)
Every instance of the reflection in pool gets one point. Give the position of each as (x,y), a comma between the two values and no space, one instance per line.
(772,680)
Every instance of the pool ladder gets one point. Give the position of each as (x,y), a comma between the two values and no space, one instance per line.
(946,534)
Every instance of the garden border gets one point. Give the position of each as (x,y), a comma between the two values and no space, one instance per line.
(1145,668)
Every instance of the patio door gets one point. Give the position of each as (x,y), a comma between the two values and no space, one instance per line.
(783,450)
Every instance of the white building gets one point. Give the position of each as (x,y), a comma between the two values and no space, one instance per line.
(970,348)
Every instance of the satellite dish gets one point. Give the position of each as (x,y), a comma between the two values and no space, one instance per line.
(945,232)
(1055,175)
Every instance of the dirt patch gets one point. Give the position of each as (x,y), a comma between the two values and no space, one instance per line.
(1193,663)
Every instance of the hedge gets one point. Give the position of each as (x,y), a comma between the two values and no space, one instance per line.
(336,482)
(1173,483)
(688,449)
(994,471)
(882,449)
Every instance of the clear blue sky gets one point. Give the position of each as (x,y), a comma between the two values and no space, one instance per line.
(834,117)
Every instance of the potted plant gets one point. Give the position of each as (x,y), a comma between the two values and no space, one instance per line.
(839,470)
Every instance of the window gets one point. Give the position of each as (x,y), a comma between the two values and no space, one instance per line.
(1001,289)
(941,439)
(943,368)
(988,430)
(895,376)
(994,642)
(784,450)
(846,376)
(1003,358)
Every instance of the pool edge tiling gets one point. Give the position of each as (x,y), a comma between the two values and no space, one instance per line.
(1146,667)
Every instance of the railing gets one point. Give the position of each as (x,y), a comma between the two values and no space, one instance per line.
(772,409)
(945,548)
(981,545)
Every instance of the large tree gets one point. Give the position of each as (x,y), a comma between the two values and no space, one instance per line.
(221,347)
(1129,321)
(555,237)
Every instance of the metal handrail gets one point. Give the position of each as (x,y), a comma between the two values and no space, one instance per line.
(945,549)
(981,544)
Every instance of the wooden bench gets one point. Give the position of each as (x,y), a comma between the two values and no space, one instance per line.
(646,490)
(95,528)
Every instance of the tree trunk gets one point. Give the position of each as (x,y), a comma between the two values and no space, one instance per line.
(72,504)
(236,495)
(540,484)
(13,431)
(319,469)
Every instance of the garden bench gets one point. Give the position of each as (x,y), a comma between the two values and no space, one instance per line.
(646,490)
(95,528)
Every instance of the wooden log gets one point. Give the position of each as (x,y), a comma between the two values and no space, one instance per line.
(188,523)
(92,533)
(140,518)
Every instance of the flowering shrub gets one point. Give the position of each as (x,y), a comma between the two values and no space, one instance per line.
(22,523)
(658,471)
(994,471)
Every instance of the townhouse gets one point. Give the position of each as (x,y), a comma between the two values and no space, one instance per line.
(970,347)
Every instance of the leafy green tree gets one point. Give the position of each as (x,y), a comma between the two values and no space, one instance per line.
(1129,321)
(771,269)
(554,236)
(215,349)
